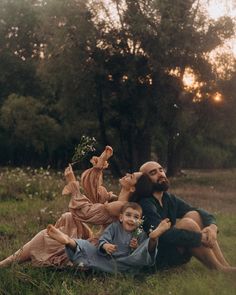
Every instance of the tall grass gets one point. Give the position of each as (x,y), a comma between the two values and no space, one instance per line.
(26,211)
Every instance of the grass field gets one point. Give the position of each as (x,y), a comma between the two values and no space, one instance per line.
(30,199)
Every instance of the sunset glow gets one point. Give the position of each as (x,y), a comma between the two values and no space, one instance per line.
(217,97)
(189,78)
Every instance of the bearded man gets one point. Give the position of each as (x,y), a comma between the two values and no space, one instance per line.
(193,231)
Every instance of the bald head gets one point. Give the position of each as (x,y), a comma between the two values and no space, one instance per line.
(148,166)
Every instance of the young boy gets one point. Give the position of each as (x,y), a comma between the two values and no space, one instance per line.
(118,249)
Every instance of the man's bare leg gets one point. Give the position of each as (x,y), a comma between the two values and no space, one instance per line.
(202,253)
(208,258)
(60,237)
(219,255)
(216,248)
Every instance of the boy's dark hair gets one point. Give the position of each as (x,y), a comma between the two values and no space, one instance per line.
(143,188)
(132,205)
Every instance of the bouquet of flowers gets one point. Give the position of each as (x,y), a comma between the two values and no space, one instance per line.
(85,146)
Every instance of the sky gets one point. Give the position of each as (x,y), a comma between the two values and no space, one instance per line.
(215,9)
(219,8)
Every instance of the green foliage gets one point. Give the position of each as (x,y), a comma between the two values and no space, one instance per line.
(74,72)
(6,231)
(28,126)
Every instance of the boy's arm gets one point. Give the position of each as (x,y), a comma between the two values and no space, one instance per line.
(174,236)
(106,238)
(156,233)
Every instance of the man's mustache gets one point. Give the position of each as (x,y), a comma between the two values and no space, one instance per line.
(162,178)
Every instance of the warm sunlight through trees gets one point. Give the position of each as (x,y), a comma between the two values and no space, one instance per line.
(142,76)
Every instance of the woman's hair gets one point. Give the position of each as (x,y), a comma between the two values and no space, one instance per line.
(132,205)
(143,188)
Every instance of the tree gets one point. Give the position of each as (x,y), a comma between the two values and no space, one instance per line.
(171,37)
(30,130)
(19,48)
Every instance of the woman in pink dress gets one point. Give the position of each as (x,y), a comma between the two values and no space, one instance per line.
(41,250)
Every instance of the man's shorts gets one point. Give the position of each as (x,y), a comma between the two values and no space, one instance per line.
(170,256)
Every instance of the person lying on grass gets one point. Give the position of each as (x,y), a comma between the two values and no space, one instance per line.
(96,205)
(119,250)
(94,208)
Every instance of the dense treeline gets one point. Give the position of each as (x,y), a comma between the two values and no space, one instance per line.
(69,68)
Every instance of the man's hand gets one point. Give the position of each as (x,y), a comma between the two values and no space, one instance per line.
(209,235)
(133,243)
(109,248)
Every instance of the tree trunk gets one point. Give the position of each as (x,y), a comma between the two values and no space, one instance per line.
(142,149)
(173,156)
(102,128)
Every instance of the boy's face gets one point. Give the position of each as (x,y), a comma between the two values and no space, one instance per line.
(130,219)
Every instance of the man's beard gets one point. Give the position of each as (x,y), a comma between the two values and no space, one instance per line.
(161,186)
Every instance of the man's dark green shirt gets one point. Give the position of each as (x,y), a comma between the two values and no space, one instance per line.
(173,208)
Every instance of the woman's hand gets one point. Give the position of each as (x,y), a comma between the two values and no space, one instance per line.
(69,174)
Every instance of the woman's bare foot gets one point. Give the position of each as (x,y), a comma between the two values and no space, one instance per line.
(101,161)
(58,235)
(161,228)
(107,153)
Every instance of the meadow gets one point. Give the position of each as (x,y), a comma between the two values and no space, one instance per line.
(31,198)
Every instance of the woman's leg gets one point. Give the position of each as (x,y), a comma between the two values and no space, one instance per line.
(92,178)
(20,256)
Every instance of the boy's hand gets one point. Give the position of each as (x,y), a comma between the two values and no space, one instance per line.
(109,248)
(133,243)
(164,225)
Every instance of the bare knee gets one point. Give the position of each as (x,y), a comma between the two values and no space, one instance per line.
(188,224)
(195,216)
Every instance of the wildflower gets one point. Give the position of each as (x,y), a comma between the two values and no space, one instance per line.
(43,210)
(151,228)
(86,145)
(138,230)
(81,264)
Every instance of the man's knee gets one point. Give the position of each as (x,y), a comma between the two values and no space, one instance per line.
(188,224)
(195,216)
